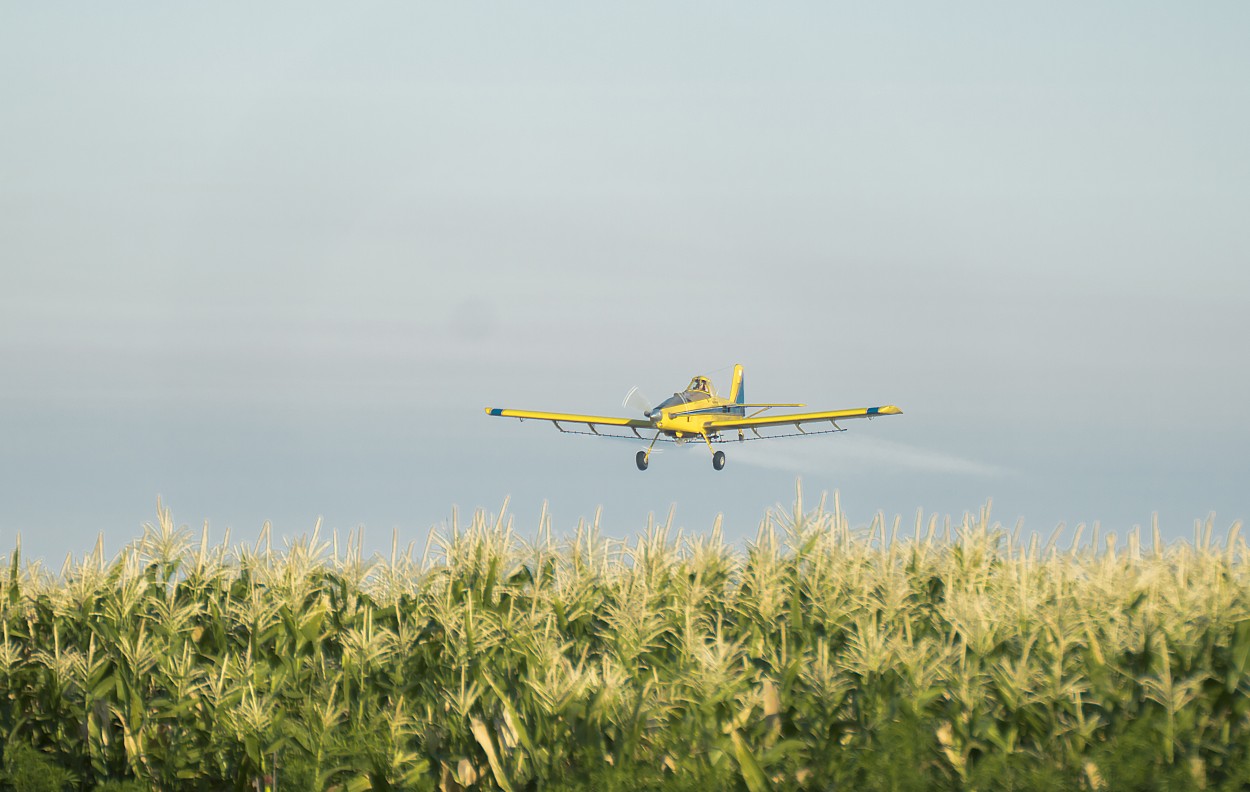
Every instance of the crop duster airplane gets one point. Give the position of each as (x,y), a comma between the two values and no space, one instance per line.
(698,413)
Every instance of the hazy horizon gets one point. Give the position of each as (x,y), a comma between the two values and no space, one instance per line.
(272,263)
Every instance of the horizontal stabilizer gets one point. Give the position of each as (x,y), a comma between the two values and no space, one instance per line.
(794,419)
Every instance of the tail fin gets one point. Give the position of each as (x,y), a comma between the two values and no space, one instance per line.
(737,391)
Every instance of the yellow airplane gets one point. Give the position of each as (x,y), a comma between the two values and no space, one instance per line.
(697,412)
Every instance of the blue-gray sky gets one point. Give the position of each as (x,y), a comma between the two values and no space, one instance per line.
(271,263)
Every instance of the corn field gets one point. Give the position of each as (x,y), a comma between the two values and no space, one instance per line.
(820,656)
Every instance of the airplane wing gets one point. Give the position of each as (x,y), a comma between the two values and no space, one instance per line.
(590,421)
(794,419)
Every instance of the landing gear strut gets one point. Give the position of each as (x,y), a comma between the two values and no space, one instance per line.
(718,457)
(644,457)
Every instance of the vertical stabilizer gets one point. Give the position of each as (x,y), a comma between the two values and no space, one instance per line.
(737,391)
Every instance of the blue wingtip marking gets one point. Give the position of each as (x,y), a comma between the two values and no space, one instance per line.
(873,410)
(496,411)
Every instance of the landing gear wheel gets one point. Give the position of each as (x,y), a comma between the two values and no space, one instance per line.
(718,460)
(641,459)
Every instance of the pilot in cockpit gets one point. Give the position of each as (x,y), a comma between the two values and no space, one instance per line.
(698,384)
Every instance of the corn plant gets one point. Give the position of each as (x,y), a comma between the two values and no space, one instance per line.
(820,655)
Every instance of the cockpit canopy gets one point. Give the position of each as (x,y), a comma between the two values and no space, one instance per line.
(699,388)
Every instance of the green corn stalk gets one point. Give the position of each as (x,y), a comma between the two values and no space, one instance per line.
(180,663)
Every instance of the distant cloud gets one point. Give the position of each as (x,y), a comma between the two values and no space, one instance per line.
(856,452)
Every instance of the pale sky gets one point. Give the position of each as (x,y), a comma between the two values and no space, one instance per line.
(272,263)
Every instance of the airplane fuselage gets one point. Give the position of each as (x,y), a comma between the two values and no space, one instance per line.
(677,421)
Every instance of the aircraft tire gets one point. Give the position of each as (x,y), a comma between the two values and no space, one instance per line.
(641,459)
(718,460)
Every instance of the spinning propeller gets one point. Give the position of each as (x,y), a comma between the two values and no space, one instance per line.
(635,400)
